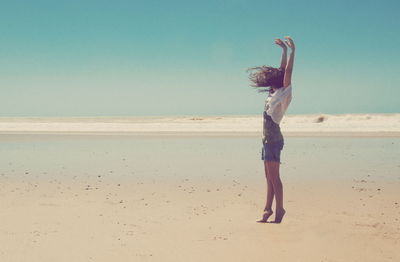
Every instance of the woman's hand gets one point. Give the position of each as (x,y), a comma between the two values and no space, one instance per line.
(280,43)
(289,42)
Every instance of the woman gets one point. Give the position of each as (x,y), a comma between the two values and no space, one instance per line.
(277,82)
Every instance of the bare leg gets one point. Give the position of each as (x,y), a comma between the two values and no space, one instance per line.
(270,197)
(270,189)
(273,174)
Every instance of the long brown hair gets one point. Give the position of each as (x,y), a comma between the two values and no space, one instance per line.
(265,78)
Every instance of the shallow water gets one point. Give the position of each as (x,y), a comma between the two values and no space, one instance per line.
(237,157)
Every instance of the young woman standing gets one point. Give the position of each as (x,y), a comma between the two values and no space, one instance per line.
(277,82)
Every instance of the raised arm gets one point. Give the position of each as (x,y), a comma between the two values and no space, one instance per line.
(284,52)
(287,79)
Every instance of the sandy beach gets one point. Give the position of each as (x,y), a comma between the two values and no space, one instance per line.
(132,131)
(184,198)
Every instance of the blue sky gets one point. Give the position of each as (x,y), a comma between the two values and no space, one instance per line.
(133,58)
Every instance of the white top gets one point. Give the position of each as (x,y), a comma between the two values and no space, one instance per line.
(277,103)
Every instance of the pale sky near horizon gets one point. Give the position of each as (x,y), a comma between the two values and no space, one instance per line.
(135,58)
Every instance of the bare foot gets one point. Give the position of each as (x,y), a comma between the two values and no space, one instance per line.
(279,215)
(266,215)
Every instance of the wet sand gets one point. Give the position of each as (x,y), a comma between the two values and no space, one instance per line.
(169,198)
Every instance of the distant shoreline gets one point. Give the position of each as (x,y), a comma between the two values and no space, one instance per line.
(96,118)
(367,125)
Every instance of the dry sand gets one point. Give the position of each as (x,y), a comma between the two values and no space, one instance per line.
(157,198)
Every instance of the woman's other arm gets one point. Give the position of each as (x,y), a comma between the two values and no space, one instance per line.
(284,52)
(287,79)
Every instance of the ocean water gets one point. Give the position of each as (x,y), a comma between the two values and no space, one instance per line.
(162,157)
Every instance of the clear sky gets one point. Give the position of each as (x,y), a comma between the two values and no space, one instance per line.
(132,58)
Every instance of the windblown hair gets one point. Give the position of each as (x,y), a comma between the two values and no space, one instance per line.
(266,77)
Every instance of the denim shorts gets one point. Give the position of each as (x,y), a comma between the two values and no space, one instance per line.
(272,151)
